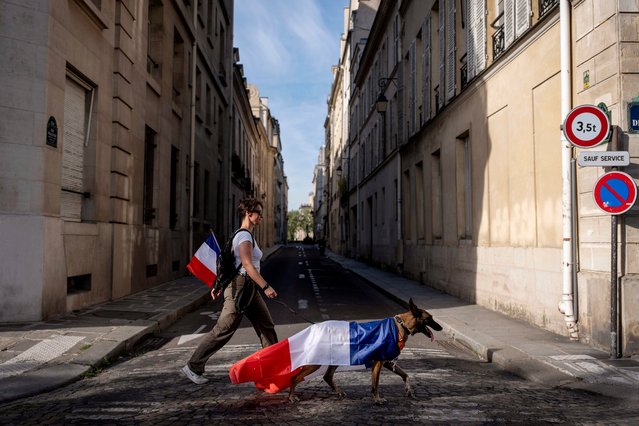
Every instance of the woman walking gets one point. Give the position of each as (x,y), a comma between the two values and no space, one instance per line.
(238,303)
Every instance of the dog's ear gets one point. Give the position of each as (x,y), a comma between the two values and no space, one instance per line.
(413,308)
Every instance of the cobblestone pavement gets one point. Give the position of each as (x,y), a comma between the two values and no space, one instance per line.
(449,389)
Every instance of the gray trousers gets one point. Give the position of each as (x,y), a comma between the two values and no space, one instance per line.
(229,321)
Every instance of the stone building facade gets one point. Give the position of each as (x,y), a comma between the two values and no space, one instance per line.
(471,143)
(115,158)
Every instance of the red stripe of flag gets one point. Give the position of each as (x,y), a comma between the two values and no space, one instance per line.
(203,273)
(269,368)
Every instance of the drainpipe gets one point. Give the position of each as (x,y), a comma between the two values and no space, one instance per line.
(192,137)
(566,306)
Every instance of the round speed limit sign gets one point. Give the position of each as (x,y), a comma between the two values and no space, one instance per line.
(586,126)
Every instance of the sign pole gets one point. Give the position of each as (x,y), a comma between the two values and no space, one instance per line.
(614,340)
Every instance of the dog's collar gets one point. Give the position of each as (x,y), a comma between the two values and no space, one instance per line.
(406,330)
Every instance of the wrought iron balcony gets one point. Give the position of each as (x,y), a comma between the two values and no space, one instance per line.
(499,42)
(546,6)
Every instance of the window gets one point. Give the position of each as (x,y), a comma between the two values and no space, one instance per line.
(154,41)
(78,109)
(475,35)
(426,36)
(221,53)
(419,199)
(412,81)
(209,105)
(209,20)
(148,207)
(450,50)
(441,32)
(464,188)
(436,197)
(207,189)
(178,66)
(407,207)
(516,19)
(173,214)
(196,189)
(198,90)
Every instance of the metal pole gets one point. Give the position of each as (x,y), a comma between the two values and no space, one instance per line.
(614,349)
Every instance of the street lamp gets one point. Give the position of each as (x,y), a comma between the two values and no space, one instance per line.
(381,104)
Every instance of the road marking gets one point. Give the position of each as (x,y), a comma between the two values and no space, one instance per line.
(302,304)
(301,276)
(38,354)
(188,337)
(212,315)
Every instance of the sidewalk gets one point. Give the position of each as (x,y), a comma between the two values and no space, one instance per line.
(40,356)
(516,346)
(37,357)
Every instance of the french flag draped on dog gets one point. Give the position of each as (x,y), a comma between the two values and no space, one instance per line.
(339,343)
(203,264)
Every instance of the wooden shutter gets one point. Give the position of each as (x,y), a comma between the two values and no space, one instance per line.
(509,22)
(469,11)
(479,29)
(522,17)
(426,70)
(450,49)
(75,125)
(442,52)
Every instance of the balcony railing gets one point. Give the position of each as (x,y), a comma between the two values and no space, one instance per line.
(546,6)
(499,42)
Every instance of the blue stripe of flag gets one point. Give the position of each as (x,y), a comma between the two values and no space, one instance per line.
(376,340)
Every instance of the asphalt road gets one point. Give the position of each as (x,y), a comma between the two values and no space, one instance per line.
(451,385)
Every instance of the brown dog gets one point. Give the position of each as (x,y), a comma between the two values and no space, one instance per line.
(416,320)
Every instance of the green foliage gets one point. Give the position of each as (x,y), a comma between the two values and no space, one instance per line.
(300,220)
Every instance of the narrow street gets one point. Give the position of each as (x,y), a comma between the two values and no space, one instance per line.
(451,385)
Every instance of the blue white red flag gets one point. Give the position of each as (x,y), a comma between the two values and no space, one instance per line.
(203,264)
(341,343)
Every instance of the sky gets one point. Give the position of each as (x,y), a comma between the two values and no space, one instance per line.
(287,48)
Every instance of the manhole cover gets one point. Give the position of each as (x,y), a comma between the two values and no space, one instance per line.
(130,315)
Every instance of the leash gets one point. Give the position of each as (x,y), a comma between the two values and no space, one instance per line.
(292,310)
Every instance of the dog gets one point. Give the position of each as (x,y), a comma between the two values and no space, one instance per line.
(414,321)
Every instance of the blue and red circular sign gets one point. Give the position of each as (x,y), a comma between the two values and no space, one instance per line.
(615,192)
(586,126)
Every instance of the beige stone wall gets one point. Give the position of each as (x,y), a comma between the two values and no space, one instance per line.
(511,116)
(605,39)
(106,47)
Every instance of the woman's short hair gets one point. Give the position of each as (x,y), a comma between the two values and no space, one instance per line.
(248,205)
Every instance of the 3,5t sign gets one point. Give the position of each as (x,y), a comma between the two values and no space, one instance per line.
(586,126)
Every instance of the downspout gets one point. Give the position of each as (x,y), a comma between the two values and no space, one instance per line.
(192,136)
(566,306)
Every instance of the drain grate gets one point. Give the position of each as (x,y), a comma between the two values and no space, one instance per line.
(150,344)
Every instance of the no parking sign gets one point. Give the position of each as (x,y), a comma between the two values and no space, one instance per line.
(615,192)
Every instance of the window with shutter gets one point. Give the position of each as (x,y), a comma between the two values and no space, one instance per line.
(442,52)
(76,120)
(479,35)
(450,49)
(470,12)
(426,69)
(509,22)
(522,16)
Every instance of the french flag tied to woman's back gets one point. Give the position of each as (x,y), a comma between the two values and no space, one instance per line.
(341,343)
